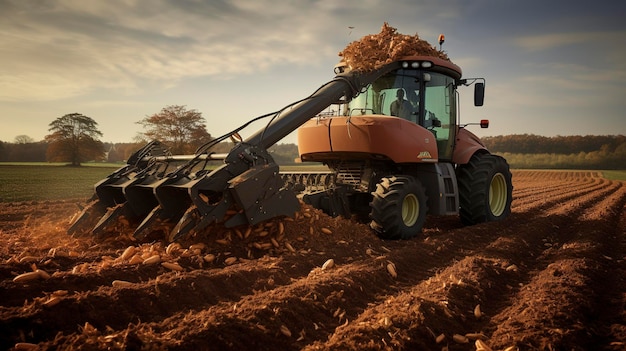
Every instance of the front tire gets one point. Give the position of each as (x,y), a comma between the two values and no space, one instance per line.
(485,189)
(398,208)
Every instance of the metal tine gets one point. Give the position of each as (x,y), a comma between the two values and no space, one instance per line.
(113,193)
(83,222)
(186,224)
(106,195)
(172,197)
(109,192)
(136,202)
(110,218)
(203,209)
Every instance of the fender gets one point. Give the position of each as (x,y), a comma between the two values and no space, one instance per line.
(467,144)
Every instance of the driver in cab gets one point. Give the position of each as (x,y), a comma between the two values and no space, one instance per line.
(400,107)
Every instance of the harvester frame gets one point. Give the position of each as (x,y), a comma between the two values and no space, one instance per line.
(390,170)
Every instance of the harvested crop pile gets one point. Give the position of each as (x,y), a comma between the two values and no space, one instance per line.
(373,51)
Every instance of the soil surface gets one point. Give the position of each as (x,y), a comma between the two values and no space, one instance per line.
(550,277)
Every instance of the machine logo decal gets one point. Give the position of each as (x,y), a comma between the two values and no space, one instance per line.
(424,154)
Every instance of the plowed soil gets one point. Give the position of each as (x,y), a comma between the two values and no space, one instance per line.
(550,277)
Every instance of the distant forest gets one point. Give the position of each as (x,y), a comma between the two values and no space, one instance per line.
(560,152)
(535,144)
(521,151)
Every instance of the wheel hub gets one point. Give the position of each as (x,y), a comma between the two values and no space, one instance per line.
(410,210)
(498,194)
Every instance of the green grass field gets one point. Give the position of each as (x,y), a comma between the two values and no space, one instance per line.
(45,181)
(614,175)
(25,182)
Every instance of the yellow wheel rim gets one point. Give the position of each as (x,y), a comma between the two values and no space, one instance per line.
(410,210)
(498,194)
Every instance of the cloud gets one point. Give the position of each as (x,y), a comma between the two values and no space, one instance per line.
(65,48)
(69,47)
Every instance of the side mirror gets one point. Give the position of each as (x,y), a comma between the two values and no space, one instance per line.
(479,94)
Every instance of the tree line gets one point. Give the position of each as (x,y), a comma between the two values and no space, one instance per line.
(536,144)
(561,152)
(75,139)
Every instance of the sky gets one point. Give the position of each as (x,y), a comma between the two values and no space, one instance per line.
(551,67)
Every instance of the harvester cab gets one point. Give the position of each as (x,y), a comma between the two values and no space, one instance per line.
(423,91)
(398,152)
(392,160)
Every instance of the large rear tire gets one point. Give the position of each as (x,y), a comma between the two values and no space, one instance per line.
(485,189)
(398,208)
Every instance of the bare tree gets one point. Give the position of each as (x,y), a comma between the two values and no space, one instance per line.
(181,129)
(24,139)
(74,139)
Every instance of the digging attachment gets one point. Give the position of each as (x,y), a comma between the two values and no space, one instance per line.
(109,206)
(247,189)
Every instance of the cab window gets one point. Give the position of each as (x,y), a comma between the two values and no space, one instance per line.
(439,116)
